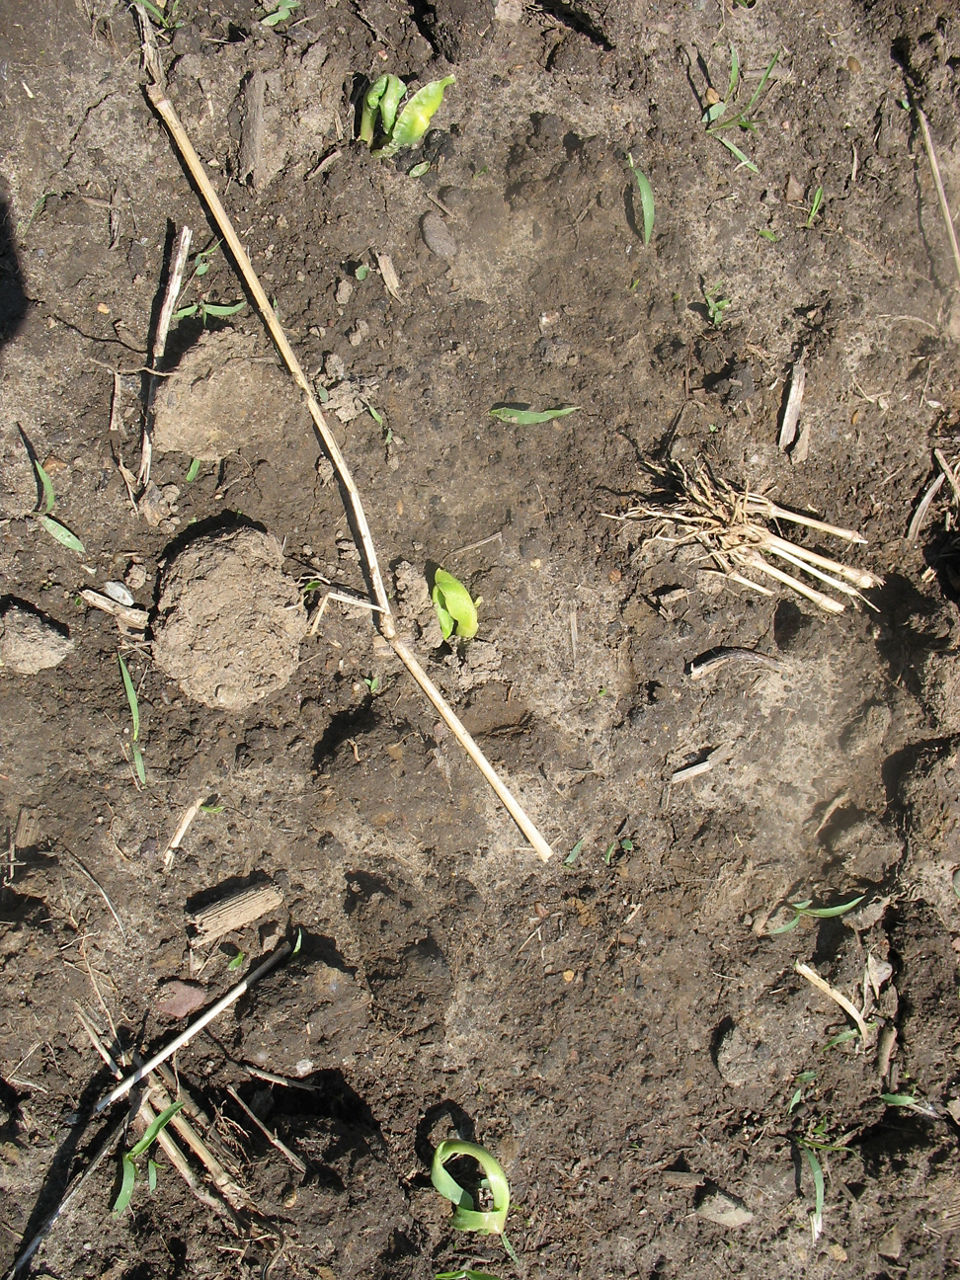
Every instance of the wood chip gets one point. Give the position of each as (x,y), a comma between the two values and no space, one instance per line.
(235,912)
(791,411)
(390,278)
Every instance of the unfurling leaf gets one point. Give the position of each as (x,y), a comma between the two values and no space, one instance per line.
(456,610)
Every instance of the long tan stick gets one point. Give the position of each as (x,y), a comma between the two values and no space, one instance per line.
(938,183)
(165,110)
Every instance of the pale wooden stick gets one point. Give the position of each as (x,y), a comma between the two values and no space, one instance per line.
(183,826)
(763,506)
(185,1036)
(938,183)
(165,110)
(160,346)
(270,1137)
(821,984)
(801,588)
(859,577)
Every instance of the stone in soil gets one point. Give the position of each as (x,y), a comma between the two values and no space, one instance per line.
(30,642)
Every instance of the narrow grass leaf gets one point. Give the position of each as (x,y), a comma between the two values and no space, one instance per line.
(220,309)
(152,1175)
(138,764)
(816,1170)
(763,82)
(131,693)
(63,535)
(127,1179)
(574,854)
(646,199)
(193,471)
(159,1123)
(735,151)
(828,913)
(529,417)
(898,1099)
(734,71)
(464,1275)
(49,497)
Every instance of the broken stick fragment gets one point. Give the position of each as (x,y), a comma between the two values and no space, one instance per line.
(235,911)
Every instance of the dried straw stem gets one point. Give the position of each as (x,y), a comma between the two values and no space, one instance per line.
(167,113)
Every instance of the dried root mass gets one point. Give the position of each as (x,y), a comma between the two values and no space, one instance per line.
(739,530)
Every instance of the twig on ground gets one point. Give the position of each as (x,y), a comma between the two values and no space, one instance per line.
(157,96)
(923,507)
(271,1137)
(183,826)
(938,183)
(98,886)
(174,281)
(185,1036)
(821,984)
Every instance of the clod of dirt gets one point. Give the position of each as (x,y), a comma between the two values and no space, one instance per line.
(437,237)
(230,621)
(723,1209)
(30,642)
(223,395)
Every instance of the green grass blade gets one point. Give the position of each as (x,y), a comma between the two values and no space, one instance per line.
(784,928)
(646,199)
(131,693)
(734,72)
(220,309)
(49,497)
(152,1175)
(898,1099)
(193,471)
(816,1169)
(63,535)
(735,150)
(529,417)
(138,764)
(763,82)
(159,1122)
(828,913)
(125,1194)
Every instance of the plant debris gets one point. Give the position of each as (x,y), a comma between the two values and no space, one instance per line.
(733,525)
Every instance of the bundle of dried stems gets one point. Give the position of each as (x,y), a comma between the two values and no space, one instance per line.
(734,526)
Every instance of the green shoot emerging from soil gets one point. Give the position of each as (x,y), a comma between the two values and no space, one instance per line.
(163,13)
(280,13)
(519,416)
(806,910)
(646,199)
(717,304)
(493,1185)
(721,113)
(134,705)
(48,500)
(128,1165)
(456,609)
(399,127)
(814,207)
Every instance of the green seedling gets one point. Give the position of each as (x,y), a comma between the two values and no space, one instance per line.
(646,198)
(193,471)
(623,845)
(842,1037)
(456,609)
(804,1078)
(134,705)
(208,311)
(164,13)
(574,853)
(280,13)
(418,171)
(466,1216)
(398,127)
(808,1151)
(128,1163)
(717,304)
(213,805)
(522,417)
(48,500)
(767,234)
(464,1274)
(814,207)
(373,683)
(722,114)
(236,962)
(806,910)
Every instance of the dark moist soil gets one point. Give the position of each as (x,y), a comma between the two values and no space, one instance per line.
(621,1026)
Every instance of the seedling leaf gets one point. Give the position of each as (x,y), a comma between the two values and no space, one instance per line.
(138,763)
(464,1275)
(898,1099)
(574,853)
(127,1179)
(152,1175)
(220,309)
(157,1124)
(646,199)
(455,608)
(49,497)
(816,1218)
(465,1216)
(527,417)
(193,471)
(416,115)
(62,534)
(131,693)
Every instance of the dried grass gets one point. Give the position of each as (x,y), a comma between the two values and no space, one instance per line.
(739,530)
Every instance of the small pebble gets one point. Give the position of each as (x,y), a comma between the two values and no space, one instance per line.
(436,236)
